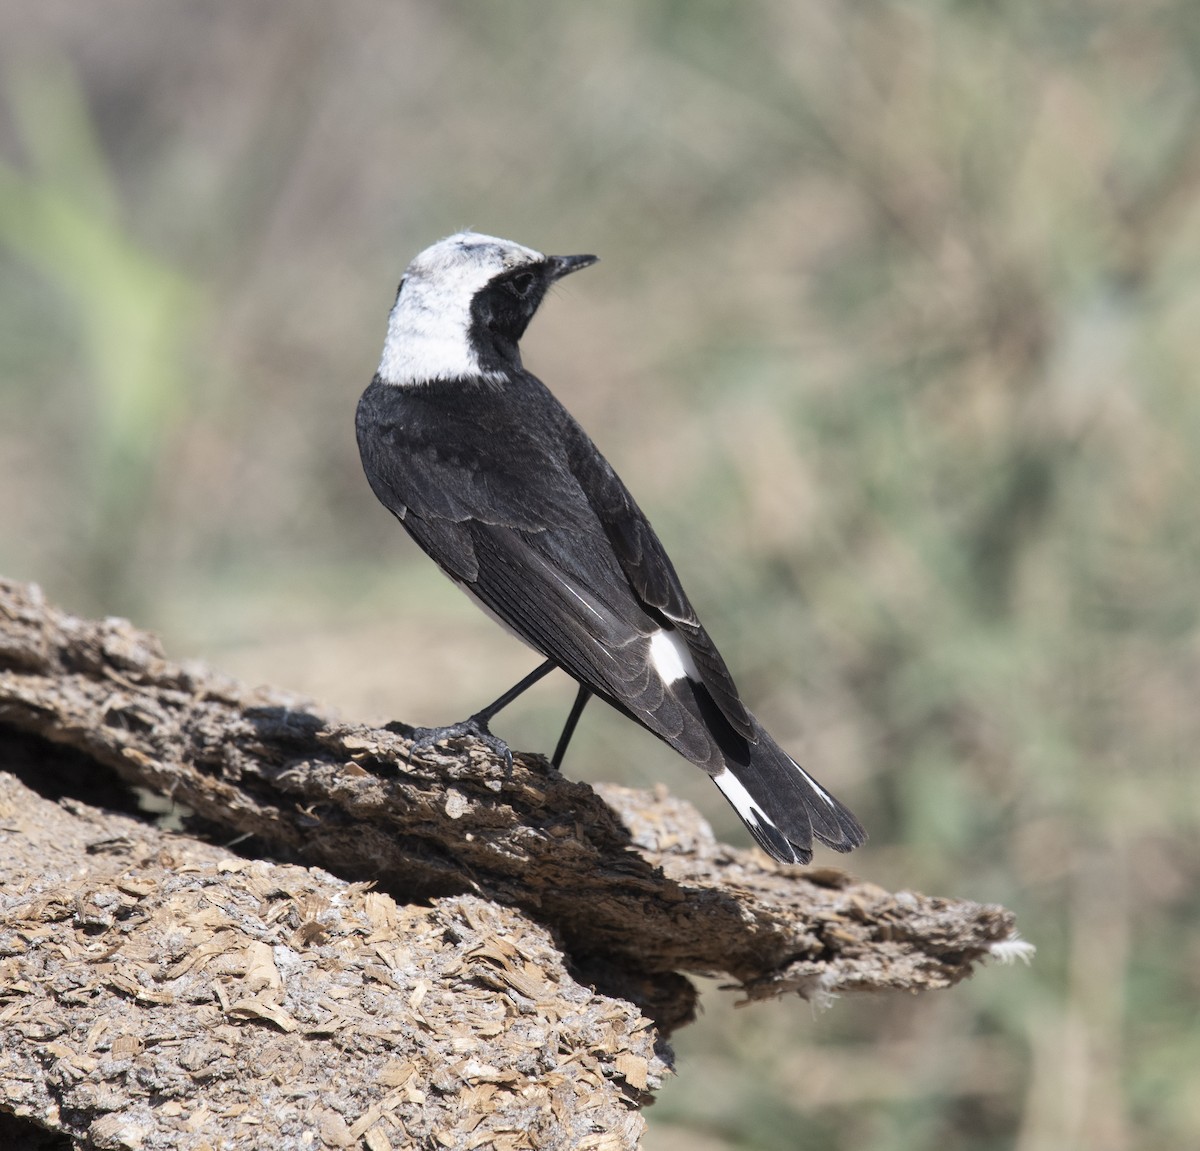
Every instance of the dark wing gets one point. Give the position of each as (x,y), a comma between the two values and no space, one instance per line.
(510,497)
(651,574)
(448,455)
(499,493)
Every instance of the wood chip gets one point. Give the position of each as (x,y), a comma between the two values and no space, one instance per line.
(634,1068)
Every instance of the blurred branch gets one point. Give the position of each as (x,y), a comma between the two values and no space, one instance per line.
(1153,214)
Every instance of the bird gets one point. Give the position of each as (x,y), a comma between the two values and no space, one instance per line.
(503,489)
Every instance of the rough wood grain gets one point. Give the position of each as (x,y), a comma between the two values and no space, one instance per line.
(158,993)
(629,878)
(631,886)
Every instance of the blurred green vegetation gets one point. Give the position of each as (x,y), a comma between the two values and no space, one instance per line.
(894,339)
(130,310)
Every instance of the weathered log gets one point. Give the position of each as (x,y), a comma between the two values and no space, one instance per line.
(631,887)
(161,993)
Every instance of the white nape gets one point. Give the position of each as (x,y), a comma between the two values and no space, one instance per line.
(428,336)
(670,658)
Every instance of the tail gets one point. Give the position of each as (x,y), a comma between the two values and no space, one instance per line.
(678,687)
(783,807)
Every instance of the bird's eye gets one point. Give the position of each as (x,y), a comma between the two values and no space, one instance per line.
(521,283)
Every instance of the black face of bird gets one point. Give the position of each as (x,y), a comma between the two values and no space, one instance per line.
(501,311)
(505,306)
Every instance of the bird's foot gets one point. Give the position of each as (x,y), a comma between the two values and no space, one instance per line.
(474,727)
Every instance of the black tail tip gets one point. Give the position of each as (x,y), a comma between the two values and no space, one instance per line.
(785,809)
(851,835)
(778,846)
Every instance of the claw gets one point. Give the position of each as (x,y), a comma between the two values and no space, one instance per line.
(475,727)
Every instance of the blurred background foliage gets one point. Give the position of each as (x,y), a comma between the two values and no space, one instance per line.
(895,339)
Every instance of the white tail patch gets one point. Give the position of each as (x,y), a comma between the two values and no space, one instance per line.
(670,658)
(743,802)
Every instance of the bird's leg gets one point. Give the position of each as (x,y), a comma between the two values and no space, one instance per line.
(568,730)
(476,725)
